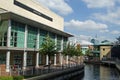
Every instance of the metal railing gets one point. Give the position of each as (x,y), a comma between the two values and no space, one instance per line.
(32,71)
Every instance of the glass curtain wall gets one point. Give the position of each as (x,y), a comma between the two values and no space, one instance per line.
(31,37)
(59,39)
(65,39)
(17,34)
(42,37)
(3,32)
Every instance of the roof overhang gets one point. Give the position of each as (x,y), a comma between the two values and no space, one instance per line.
(16,17)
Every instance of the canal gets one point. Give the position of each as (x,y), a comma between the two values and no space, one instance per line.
(99,72)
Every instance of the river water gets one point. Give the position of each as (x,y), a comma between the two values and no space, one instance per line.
(99,72)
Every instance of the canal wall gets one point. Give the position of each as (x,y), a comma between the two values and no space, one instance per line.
(112,63)
(118,67)
(60,75)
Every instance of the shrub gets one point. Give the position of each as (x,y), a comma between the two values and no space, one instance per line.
(18,77)
(6,78)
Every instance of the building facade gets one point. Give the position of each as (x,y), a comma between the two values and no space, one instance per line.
(24,24)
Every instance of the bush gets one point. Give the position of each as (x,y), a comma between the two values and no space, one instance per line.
(6,78)
(11,77)
(18,77)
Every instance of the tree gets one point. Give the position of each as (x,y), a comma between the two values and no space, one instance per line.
(48,48)
(118,40)
(78,51)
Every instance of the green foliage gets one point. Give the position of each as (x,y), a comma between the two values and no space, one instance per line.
(72,50)
(11,77)
(88,53)
(18,77)
(78,50)
(48,47)
(6,78)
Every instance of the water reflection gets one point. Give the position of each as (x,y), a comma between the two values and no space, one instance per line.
(98,72)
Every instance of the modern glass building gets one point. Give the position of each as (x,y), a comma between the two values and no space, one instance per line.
(24,25)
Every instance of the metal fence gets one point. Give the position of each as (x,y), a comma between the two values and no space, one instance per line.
(32,71)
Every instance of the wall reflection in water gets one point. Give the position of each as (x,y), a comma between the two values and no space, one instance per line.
(98,72)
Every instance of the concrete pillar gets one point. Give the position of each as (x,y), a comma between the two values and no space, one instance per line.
(61,59)
(25,40)
(8,45)
(47,60)
(37,59)
(54,59)
(67,59)
(25,46)
(37,46)
(61,56)
(8,61)
(55,48)
(9,33)
(24,60)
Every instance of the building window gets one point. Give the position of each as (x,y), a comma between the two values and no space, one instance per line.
(65,39)
(103,49)
(18,59)
(42,37)
(31,37)
(59,39)
(2,58)
(17,34)
(29,59)
(3,32)
(52,36)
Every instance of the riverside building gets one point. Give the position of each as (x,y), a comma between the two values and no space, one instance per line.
(23,26)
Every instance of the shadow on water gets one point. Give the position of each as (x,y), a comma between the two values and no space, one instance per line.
(98,72)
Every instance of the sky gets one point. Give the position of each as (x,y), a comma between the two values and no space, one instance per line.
(87,19)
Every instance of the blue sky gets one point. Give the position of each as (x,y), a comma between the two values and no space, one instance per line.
(87,18)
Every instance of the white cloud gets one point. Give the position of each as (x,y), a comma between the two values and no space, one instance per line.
(80,38)
(59,6)
(85,25)
(111,16)
(115,32)
(100,3)
(104,31)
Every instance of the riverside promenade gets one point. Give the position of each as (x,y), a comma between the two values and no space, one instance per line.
(55,72)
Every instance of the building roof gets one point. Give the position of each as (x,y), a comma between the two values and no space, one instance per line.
(16,17)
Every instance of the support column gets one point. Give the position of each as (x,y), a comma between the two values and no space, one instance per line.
(54,59)
(47,60)
(25,46)
(55,48)
(8,45)
(24,60)
(61,59)
(37,54)
(37,59)
(67,59)
(61,56)
(9,33)
(8,61)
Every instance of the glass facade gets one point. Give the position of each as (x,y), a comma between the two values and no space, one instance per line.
(65,39)
(31,37)
(17,34)
(2,58)
(59,40)
(43,34)
(17,40)
(18,57)
(29,59)
(3,32)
